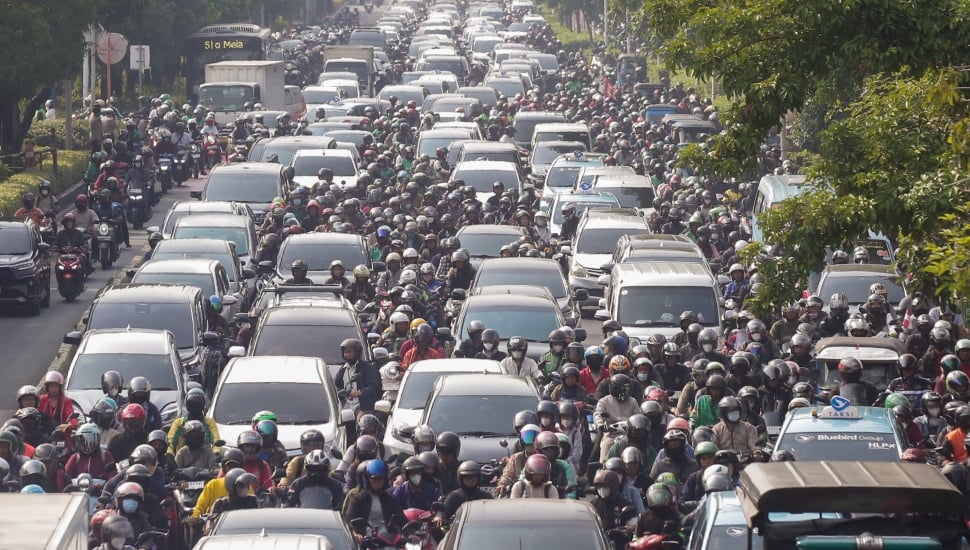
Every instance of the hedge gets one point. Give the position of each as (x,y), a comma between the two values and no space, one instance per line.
(71,166)
(40,133)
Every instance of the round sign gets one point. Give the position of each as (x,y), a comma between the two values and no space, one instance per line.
(111,47)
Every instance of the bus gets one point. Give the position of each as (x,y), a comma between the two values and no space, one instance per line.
(223,42)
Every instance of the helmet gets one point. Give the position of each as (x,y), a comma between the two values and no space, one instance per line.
(538,464)
(659,496)
(317,462)
(232,455)
(263,415)
(249,438)
(423,438)
(620,386)
(517,343)
(957,382)
(475,327)
(116,526)
(727,405)
(549,410)
(707,340)
(448,442)
(53,377)
(267,430)
(24,391)
(424,334)
(705,448)
(524,418)
(132,417)
(607,478)
(850,369)
(140,386)
(619,363)
(129,489)
(368,424)
(87,439)
(354,345)
(469,468)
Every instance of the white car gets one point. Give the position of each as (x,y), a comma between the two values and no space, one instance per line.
(298,389)
(413,393)
(308,162)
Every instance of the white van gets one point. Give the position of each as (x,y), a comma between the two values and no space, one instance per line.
(772,190)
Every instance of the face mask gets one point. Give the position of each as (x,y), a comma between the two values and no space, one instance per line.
(414,479)
(642,376)
(604,492)
(708,348)
(540,222)
(734,416)
(676,453)
(566,423)
(556,348)
(756,336)
(129,506)
(518,354)
(545,421)
(118,542)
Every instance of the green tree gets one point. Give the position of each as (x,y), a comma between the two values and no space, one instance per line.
(41,42)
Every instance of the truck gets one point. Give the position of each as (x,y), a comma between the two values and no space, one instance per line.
(356,59)
(231,85)
(57,521)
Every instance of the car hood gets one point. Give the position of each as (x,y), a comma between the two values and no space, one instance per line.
(591,260)
(85,399)
(289,434)
(484,449)
(13,259)
(404,417)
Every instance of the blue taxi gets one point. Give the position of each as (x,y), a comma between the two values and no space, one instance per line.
(841,431)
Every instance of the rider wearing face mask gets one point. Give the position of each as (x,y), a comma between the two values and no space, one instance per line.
(550,361)
(416,491)
(517,364)
(594,373)
(732,432)
(609,501)
(128,501)
(112,384)
(116,533)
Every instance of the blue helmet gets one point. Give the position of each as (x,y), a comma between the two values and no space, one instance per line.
(32,490)
(383,231)
(215,302)
(593,350)
(376,468)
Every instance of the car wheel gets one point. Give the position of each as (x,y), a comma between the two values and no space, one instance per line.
(46,301)
(33,307)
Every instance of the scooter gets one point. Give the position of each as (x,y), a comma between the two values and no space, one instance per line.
(195,151)
(70,272)
(138,210)
(107,248)
(191,482)
(213,151)
(183,162)
(165,169)
(417,531)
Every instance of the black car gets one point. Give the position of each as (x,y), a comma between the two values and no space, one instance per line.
(25,267)
(253,183)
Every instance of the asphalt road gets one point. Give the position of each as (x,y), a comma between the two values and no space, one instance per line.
(29,344)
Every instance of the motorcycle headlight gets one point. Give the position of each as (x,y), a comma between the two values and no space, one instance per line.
(103,229)
(136,197)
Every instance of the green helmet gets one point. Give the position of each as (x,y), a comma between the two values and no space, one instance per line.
(264,415)
(715,365)
(12,439)
(659,495)
(895,399)
(165,97)
(705,448)
(669,478)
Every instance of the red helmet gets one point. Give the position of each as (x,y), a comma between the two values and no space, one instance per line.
(98,518)
(81,199)
(69,217)
(679,424)
(132,417)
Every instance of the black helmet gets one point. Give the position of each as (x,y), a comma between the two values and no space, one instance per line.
(707,337)
(728,405)
(117,526)
(232,455)
(141,387)
(469,468)
(491,336)
(850,369)
(907,361)
(112,380)
(366,424)
(518,343)
(620,386)
(716,381)
(548,411)
(475,327)
(355,345)
(448,442)
(195,401)
(423,438)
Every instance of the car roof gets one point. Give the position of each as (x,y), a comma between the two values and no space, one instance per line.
(489,230)
(634,273)
(659,240)
(184,265)
(871,420)
(215,220)
(540,115)
(273,369)
(517,290)
(281,518)
(530,511)
(586,197)
(484,384)
(452,132)
(323,238)
(613,218)
(298,315)
(486,166)
(264,542)
(156,293)
(204,206)
(489,146)
(519,264)
(247,167)
(862,270)
(872,348)
(310,142)
(126,340)
(192,245)
(456,364)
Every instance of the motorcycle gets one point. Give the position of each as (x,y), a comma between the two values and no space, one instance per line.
(90,486)
(138,210)
(106,249)
(165,169)
(195,151)
(391,375)
(70,272)
(213,151)
(417,531)
(387,537)
(180,172)
(191,482)
(240,153)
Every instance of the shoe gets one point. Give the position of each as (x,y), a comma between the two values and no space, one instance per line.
(127,245)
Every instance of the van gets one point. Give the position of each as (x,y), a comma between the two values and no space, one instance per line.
(772,190)
(648,298)
(525,124)
(578,131)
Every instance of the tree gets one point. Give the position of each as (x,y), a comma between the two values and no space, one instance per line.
(41,42)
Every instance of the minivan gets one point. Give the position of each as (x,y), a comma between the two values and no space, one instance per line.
(772,190)
(574,131)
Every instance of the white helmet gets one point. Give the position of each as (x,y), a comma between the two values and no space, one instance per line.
(399,317)
(408,277)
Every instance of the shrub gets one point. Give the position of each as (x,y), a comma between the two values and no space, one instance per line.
(40,133)
(71,166)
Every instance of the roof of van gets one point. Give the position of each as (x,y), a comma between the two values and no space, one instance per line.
(562,126)
(779,188)
(680,273)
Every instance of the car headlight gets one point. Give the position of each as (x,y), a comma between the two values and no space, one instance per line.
(103,229)
(579,271)
(23,267)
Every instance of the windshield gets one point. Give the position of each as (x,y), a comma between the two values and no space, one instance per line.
(495,275)
(856,287)
(304,341)
(661,306)
(531,324)
(562,176)
(320,96)
(88,368)
(482,180)
(342,166)
(359,68)
(486,245)
(414,394)
(318,255)
(580,136)
(242,188)
(530,536)
(292,403)
(175,318)
(453,66)
(630,197)
(14,242)
(427,146)
(877,374)
(545,154)
(337,536)
(198,280)
(225,98)
(224,259)
(236,235)
(486,45)
(842,445)
(508,88)
(495,156)
(581,207)
(603,241)
(478,413)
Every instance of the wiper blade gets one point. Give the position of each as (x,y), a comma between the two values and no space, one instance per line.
(483,434)
(305,422)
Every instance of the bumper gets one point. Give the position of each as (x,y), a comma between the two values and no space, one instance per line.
(591,286)
(17,291)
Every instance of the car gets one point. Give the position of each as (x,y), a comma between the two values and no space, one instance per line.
(721,525)
(284,147)
(564,172)
(208,275)
(526,524)
(654,247)
(253,183)
(472,127)
(543,155)
(840,431)
(180,209)
(241,279)
(413,392)
(318,250)
(559,131)
(491,151)
(506,85)
(132,352)
(481,174)
(179,309)
(298,389)
(486,241)
(324,128)
(596,237)
(530,272)
(308,163)
(404,93)
(271,296)
(356,137)
(233,542)
(488,96)
(25,266)
(854,281)
(632,191)
(237,230)
(581,200)
(305,330)
(480,409)
(879,355)
(286,521)
(530,317)
(454,64)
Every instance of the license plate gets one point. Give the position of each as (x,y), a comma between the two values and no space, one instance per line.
(196,155)
(192,485)
(491,490)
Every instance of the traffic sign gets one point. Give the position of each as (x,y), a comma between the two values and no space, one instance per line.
(140,58)
(111,47)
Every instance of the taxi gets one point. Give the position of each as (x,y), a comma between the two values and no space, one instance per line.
(841,431)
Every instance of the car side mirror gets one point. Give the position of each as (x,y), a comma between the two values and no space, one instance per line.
(73,338)
(723,280)
(229,300)
(407,432)
(601,303)
(266,265)
(130,272)
(236,351)
(601,315)
(603,280)
(248,274)
(373,338)
(43,247)
(445,333)
(347,416)
(566,249)
(196,195)
(383,406)
(378,267)
(607,266)
(579,334)
(571,322)
(153,229)
(581,295)
(210,338)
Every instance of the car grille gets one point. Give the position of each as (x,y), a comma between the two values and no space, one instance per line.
(7,278)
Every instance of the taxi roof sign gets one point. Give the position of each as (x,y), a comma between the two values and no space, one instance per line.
(846,413)
(578,155)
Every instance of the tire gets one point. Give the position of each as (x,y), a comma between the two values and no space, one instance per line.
(33,307)
(106,262)
(46,300)
(138,222)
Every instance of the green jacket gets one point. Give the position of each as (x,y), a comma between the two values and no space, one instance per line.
(705,412)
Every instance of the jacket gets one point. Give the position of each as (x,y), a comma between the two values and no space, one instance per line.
(524,489)
(609,410)
(213,491)
(304,482)
(742,438)
(358,502)
(368,382)
(528,368)
(176,441)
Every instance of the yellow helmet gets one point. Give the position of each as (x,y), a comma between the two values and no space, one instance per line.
(417,322)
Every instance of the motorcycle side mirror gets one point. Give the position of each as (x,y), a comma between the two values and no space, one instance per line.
(566,250)
(229,300)
(219,443)
(378,267)
(571,322)
(236,351)
(503,443)
(628,513)
(407,432)
(43,247)
(581,295)
(347,416)
(72,338)
(266,265)
(723,280)
(459,294)
(438,506)
(445,333)
(579,334)
(196,195)
(383,406)
(359,524)
(248,274)
(211,338)
(153,229)
(373,338)
(336,454)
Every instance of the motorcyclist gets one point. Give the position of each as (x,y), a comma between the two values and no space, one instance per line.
(132,417)
(469,479)
(852,385)
(197,452)
(30,211)
(474,344)
(908,380)
(89,457)
(490,350)
(273,452)
(609,504)
(85,217)
(241,487)
(536,483)
(517,363)
(110,211)
(71,237)
(361,288)
(128,501)
(250,442)
(216,488)
(298,270)
(594,374)
(370,501)
(54,403)
(140,391)
(422,350)
(461,273)
(661,516)
(310,440)
(550,361)
(315,488)
(615,407)
(675,458)
(337,275)
(357,377)
(195,403)
(570,222)
(732,432)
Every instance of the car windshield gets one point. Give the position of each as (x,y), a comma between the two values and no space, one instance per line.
(292,403)
(629,196)
(525,127)
(428,146)
(495,156)
(285,153)
(237,235)
(877,374)
(454,66)
(321,95)
(225,97)
(486,245)
(545,154)
(531,324)
(603,241)
(304,341)
(661,306)
(478,413)
(224,259)
(496,275)
(14,242)
(580,136)
(199,280)
(530,536)
(415,393)
(309,165)
(88,368)
(175,318)
(482,180)
(563,176)
(581,207)
(856,287)
(842,445)
(508,88)
(242,187)
(319,255)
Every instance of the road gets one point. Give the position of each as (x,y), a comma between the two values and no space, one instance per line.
(30,343)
